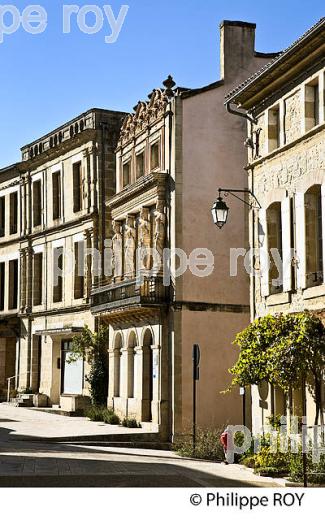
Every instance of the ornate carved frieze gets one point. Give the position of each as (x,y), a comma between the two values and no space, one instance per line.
(145,114)
(286,171)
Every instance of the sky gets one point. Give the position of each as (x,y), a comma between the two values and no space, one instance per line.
(49,78)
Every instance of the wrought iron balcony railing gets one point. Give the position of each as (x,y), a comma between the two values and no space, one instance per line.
(150,293)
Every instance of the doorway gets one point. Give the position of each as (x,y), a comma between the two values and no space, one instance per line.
(72,374)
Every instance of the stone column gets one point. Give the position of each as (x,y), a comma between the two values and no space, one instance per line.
(34,363)
(124,373)
(113,355)
(23,206)
(87,264)
(28,204)
(142,374)
(23,280)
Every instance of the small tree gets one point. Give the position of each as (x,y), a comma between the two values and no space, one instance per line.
(283,349)
(92,346)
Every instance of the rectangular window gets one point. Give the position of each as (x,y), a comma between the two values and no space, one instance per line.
(78,270)
(2,216)
(154,156)
(140,165)
(77,187)
(13,213)
(13,284)
(274,245)
(126,173)
(57,275)
(37,203)
(37,279)
(311,105)
(313,234)
(56,187)
(274,129)
(2,285)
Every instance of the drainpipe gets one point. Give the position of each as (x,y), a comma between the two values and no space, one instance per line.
(253,121)
(237,112)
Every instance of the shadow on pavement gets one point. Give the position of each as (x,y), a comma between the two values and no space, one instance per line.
(19,468)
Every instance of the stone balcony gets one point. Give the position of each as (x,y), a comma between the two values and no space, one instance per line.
(128,296)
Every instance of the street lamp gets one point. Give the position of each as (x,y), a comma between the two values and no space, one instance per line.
(220,209)
(219,212)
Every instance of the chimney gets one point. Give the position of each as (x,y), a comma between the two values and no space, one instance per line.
(237,49)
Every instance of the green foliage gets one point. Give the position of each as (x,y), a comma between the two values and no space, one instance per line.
(112,418)
(207,445)
(92,347)
(266,459)
(315,471)
(102,414)
(275,421)
(280,349)
(248,460)
(130,423)
(95,413)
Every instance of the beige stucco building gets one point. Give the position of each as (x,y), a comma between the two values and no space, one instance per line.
(286,172)
(173,152)
(60,187)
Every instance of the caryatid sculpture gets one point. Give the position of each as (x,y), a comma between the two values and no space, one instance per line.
(144,239)
(117,257)
(129,250)
(159,236)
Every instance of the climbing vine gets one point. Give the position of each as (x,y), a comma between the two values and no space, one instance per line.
(92,346)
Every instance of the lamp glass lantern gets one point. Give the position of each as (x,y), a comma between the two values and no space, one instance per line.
(220,212)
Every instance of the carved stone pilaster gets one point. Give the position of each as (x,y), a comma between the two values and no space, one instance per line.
(88,239)
(23,280)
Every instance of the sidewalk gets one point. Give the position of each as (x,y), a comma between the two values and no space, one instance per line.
(27,422)
(26,461)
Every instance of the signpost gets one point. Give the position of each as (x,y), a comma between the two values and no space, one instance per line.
(196,376)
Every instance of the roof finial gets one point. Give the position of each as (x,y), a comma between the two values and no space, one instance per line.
(169,84)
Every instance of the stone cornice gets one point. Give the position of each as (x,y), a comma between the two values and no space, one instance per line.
(152,185)
(51,154)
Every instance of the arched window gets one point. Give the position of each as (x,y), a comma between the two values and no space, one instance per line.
(117,365)
(131,365)
(314,242)
(274,247)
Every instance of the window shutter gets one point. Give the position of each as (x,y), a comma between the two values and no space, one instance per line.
(264,262)
(301,241)
(286,244)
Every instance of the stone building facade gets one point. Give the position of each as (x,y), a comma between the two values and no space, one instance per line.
(61,186)
(173,153)
(10,202)
(286,139)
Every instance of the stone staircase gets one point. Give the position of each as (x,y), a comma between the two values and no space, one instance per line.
(22,401)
